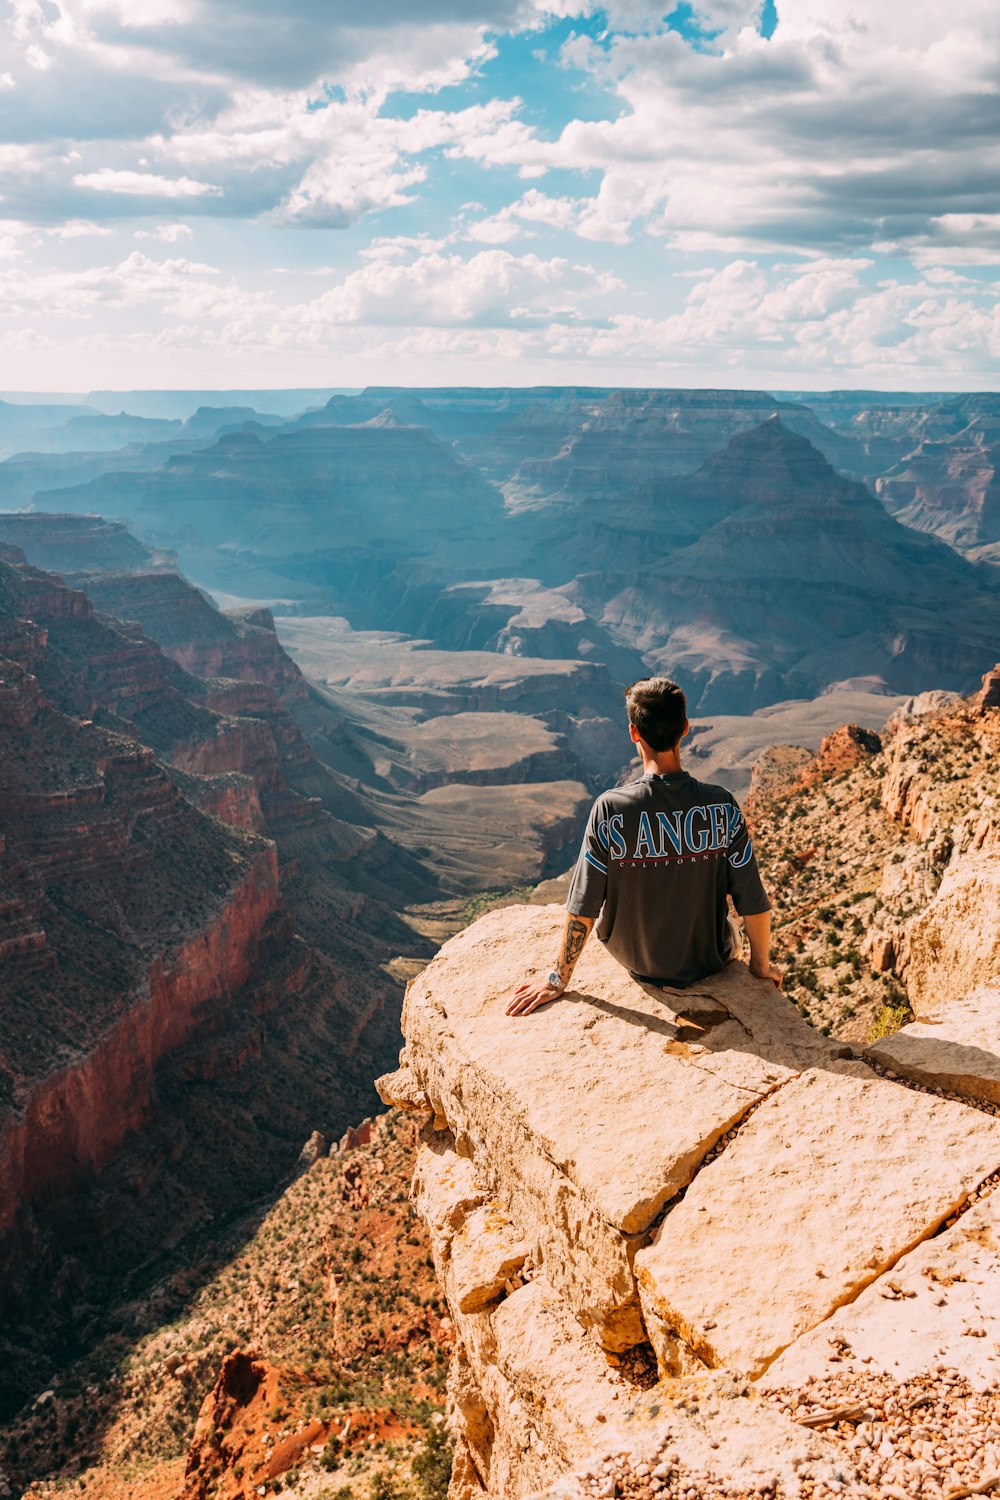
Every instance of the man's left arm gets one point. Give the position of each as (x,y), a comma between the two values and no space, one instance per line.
(540,991)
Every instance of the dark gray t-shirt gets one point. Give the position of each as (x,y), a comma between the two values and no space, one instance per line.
(659,858)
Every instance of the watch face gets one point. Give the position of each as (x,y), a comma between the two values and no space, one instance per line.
(554,980)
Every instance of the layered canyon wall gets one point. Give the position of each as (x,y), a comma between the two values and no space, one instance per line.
(150,944)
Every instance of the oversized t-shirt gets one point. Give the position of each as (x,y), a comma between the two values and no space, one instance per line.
(659,858)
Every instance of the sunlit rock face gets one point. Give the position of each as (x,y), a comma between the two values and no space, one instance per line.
(695,1178)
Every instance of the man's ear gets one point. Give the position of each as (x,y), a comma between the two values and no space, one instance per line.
(687,726)
(634,734)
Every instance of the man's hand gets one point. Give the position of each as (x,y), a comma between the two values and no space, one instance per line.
(530,996)
(540,991)
(768,971)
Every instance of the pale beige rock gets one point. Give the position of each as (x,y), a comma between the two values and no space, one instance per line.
(546,1373)
(820,1192)
(954,945)
(956,1049)
(464,1482)
(587,1116)
(530,1394)
(402,1091)
(446,1188)
(939,1306)
(880,950)
(485,1253)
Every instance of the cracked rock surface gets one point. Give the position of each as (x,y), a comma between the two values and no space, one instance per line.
(640,1201)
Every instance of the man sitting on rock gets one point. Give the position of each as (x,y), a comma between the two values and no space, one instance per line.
(660,858)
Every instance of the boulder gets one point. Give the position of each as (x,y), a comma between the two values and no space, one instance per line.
(956,1049)
(954,944)
(989,694)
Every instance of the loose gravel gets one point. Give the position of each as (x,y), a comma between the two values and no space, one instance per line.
(929,1438)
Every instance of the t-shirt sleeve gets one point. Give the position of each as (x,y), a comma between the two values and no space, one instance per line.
(743,878)
(590,878)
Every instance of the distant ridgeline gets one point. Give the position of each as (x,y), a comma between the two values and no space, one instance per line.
(734,538)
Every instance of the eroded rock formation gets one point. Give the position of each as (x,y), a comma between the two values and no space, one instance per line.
(148,949)
(694,1176)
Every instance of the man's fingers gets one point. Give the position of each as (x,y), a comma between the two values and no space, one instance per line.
(521,1003)
(529,998)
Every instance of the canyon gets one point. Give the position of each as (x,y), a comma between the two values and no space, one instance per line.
(185,923)
(479,520)
(239,814)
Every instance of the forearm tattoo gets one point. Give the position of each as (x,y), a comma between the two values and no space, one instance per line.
(574,938)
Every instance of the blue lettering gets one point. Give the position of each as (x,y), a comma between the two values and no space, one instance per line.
(616,826)
(670,829)
(720,824)
(644,842)
(602,833)
(696,842)
(743,857)
(735,819)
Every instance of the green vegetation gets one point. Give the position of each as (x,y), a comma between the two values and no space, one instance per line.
(432,1467)
(485,901)
(889,1020)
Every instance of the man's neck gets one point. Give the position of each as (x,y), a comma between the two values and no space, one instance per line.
(660,763)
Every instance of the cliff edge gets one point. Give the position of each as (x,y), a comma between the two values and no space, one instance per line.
(690,1245)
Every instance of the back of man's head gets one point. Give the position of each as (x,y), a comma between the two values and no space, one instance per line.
(657,708)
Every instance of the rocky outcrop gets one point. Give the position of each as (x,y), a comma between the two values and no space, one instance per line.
(879,867)
(76,545)
(989,694)
(199,637)
(695,1171)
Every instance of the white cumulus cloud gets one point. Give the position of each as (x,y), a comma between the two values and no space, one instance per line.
(144,184)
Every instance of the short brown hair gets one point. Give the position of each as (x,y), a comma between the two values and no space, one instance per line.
(658,709)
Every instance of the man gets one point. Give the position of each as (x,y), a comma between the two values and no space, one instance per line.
(659,859)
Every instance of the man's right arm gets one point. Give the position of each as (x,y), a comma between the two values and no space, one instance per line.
(758,930)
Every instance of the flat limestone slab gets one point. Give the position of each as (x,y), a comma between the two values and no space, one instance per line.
(940,1305)
(957,1048)
(623,1097)
(588,1115)
(822,1191)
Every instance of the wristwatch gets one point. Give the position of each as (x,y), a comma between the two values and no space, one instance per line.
(555,981)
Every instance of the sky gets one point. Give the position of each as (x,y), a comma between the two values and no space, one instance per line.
(797,194)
